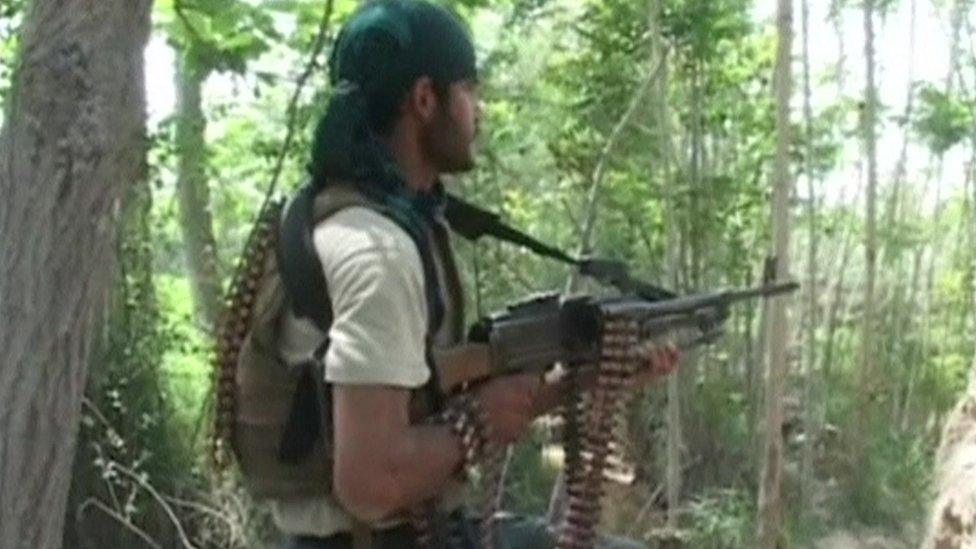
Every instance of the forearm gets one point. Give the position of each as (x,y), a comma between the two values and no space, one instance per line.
(426,460)
(385,464)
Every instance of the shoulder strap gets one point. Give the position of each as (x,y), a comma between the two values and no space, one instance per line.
(472,222)
(298,264)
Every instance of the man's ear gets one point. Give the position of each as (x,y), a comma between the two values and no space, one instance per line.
(422,99)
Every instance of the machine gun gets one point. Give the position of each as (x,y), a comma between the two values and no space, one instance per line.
(541,331)
(606,336)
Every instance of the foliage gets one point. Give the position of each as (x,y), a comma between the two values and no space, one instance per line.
(217,34)
(875,496)
(721,519)
(943,120)
(11,16)
(128,440)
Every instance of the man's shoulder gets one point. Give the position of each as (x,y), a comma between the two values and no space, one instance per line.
(359,229)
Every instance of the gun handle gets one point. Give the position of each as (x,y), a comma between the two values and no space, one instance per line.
(462,364)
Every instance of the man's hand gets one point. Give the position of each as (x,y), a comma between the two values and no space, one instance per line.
(660,361)
(509,404)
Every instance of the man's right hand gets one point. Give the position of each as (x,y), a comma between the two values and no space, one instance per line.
(509,405)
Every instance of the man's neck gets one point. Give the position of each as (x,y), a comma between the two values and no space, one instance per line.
(420,173)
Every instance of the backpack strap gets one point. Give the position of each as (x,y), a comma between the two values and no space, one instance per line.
(301,271)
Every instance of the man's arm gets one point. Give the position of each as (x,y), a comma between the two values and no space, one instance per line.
(384,464)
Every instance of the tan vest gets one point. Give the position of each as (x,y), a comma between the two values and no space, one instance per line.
(266,382)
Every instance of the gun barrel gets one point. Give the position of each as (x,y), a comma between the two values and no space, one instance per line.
(689,304)
(763,291)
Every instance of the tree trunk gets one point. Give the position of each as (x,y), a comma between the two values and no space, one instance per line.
(809,417)
(914,364)
(806,459)
(901,166)
(596,179)
(868,381)
(834,310)
(73,141)
(674,442)
(688,373)
(194,194)
(837,19)
(953,517)
(770,498)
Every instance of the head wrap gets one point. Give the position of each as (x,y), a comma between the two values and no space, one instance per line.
(379,54)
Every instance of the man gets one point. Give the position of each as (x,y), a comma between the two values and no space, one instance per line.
(405,111)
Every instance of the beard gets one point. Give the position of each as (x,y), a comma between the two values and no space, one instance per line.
(447,146)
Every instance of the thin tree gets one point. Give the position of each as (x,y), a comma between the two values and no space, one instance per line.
(809,417)
(193,192)
(73,142)
(770,497)
(868,380)
(901,166)
(674,442)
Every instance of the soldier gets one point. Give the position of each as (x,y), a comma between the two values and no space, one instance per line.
(405,110)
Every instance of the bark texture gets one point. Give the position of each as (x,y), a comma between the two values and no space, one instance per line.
(953,517)
(770,497)
(73,141)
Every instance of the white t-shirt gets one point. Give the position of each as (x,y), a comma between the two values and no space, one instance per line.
(376,283)
(377,337)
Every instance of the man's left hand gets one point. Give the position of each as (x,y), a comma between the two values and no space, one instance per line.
(660,361)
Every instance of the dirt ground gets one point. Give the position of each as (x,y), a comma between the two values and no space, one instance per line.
(850,540)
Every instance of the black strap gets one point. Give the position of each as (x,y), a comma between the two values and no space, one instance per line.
(472,223)
(298,264)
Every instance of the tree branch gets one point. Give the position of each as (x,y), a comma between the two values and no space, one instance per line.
(601,165)
(195,35)
(159,499)
(98,504)
(319,45)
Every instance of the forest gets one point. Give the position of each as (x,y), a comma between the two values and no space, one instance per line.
(709,144)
